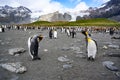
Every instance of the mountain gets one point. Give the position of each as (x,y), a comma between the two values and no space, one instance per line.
(11,15)
(56,16)
(110,10)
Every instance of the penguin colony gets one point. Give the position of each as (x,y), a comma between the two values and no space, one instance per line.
(33,44)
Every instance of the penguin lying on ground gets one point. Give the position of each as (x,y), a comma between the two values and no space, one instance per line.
(33,44)
(91,46)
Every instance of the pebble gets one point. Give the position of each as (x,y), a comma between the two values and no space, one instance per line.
(65,49)
(45,50)
(114,46)
(110,65)
(63,59)
(75,48)
(105,47)
(117,74)
(66,66)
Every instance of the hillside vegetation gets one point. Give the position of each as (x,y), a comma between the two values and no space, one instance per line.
(85,22)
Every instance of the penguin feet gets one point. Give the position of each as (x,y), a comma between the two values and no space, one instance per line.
(36,58)
(90,59)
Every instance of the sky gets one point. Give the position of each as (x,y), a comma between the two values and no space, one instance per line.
(41,7)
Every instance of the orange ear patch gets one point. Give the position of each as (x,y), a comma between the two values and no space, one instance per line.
(86,33)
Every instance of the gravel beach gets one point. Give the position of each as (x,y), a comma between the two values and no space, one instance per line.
(63,58)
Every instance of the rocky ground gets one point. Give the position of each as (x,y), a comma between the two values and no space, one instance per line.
(61,59)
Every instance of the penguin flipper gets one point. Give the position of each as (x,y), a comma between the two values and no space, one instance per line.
(29,47)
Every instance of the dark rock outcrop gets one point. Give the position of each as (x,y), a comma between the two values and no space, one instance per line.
(110,10)
(11,15)
(56,16)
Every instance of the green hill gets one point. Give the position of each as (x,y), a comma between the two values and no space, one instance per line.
(85,22)
(95,22)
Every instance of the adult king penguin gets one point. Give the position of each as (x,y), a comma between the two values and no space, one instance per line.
(91,46)
(33,44)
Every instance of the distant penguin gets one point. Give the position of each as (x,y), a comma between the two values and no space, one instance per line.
(91,46)
(33,44)
(50,33)
(68,32)
(55,34)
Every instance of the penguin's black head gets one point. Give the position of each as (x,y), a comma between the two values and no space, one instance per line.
(84,32)
(40,37)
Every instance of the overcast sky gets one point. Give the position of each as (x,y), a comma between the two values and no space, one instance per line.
(40,7)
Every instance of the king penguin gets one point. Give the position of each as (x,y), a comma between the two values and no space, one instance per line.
(33,44)
(91,46)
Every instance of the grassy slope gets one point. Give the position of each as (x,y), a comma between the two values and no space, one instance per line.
(86,22)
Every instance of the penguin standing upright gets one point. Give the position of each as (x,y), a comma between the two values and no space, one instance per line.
(50,33)
(33,44)
(91,46)
(55,34)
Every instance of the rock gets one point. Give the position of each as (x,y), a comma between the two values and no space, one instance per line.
(63,59)
(65,49)
(117,74)
(45,50)
(75,48)
(14,67)
(110,65)
(114,55)
(15,51)
(105,47)
(66,66)
(115,37)
(79,52)
(56,16)
(114,46)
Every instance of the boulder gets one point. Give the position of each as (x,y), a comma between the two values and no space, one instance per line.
(14,67)
(110,65)
(15,51)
